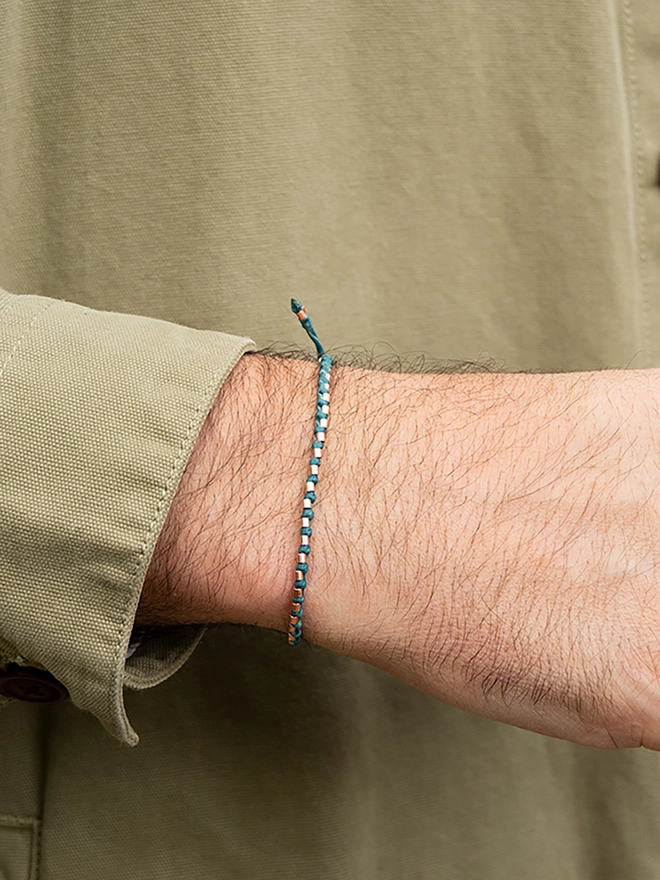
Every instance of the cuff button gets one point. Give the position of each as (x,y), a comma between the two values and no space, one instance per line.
(31,685)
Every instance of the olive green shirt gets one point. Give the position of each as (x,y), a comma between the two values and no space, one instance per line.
(460,180)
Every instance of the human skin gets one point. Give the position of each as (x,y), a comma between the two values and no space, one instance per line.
(491,539)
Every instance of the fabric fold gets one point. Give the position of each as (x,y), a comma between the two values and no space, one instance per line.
(100,413)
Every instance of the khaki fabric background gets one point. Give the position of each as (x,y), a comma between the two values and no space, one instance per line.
(459,180)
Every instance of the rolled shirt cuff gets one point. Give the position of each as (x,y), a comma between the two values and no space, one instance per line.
(100,413)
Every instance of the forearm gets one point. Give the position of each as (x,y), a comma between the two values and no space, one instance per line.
(468,529)
(218,558)
(228,549)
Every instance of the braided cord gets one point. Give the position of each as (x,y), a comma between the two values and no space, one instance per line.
(320,425)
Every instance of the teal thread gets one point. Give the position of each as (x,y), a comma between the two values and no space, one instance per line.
(320,427)
(297,308)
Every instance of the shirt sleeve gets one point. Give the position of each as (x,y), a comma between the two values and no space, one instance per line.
(100,413)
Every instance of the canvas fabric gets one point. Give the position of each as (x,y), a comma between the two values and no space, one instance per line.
(474,181)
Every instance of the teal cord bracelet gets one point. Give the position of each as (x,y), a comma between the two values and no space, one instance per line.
(320,425)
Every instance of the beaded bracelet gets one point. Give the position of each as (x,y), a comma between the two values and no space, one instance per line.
(320,425)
